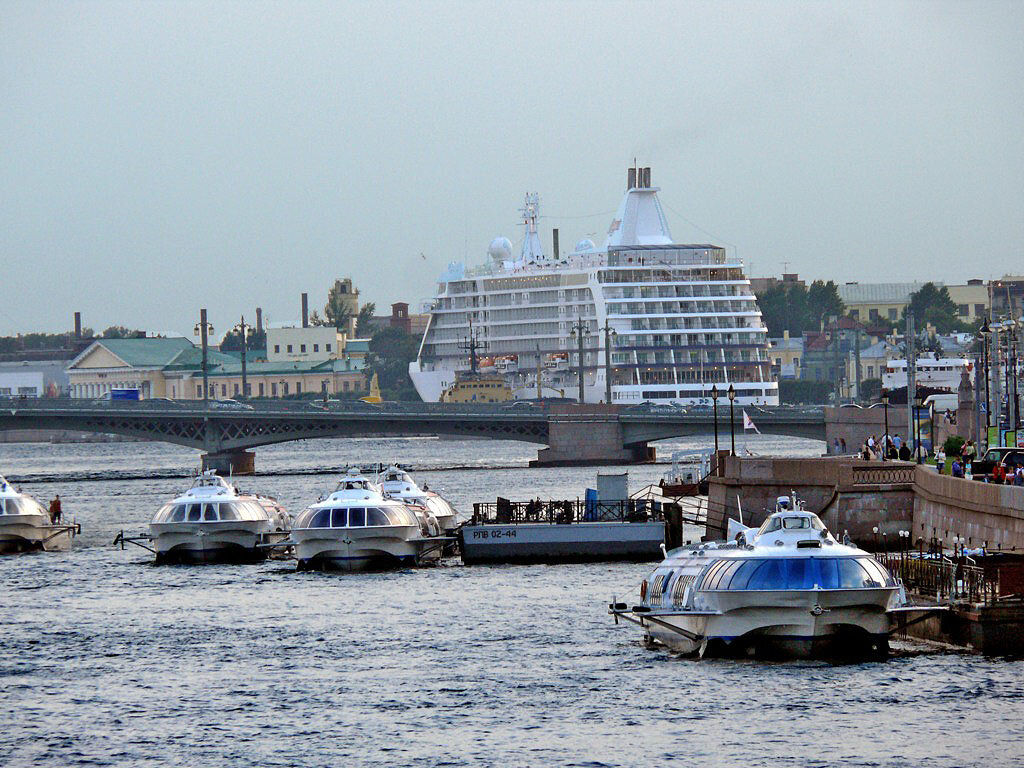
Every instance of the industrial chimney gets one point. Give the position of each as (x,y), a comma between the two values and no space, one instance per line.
(554,238)
(259,319)
(78,325)
(305,310)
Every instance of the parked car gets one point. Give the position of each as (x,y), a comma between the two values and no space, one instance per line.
(981,469)
(230,405)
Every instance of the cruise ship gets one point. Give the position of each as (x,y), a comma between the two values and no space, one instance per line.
(661,322)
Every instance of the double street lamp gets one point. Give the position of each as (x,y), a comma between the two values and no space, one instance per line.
(714,400)
(203,330)
(885,438)
(918,404)
(732,423)
(985,331)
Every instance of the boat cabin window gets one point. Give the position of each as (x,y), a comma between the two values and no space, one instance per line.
(194,512)
(322,519)
(356,518)
(339,518)
(376,517)
(791,523)
(228,511)
(210,512)
(796,573)
(439,506)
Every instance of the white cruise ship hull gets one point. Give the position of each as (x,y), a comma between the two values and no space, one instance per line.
(212,542)
(796,623)
(361,549)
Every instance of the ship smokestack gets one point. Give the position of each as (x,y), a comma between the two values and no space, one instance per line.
(647,178)
(305,310)
(554,239)
(78,325)
(630,178)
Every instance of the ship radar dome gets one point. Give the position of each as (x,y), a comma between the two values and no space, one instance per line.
(585,245)
(500,249)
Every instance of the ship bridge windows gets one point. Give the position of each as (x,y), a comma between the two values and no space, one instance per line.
(782,573)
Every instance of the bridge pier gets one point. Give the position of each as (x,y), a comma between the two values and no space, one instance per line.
(230,462)
(597,440)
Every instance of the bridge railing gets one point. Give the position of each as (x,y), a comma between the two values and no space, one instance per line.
(505,512)
(945,579)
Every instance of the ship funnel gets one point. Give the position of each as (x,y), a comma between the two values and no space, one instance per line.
(630,178)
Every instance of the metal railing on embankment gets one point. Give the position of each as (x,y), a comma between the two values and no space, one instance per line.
(954,580)
(570,511)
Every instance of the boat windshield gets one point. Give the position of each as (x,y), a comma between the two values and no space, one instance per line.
(210,512)
(354,517)
(796,573)
(790,523)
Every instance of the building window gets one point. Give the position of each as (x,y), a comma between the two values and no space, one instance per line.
(302,348)
(273,389)
(236,390)
(289,347)
(199,390)
(979,310)
(855,314)
(327,347)
(963,310)
(892,313)
(346,386)
(248,390)
(223,390)
(277,348)
(284,388)
(871,371)
(261,389)
(298,388)
(316,347)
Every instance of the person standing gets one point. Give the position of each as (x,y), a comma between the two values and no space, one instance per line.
(896,441)
(55,511)
(940,459)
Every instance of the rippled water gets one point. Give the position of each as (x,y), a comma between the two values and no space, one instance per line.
(108,660)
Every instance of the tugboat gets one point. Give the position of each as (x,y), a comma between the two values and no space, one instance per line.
(787,588)
(25,524)
(358,528)
(213,522)
(396,483)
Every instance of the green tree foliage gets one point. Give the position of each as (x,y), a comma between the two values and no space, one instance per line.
(39,341)
(338,309)
(232,341)
(391,351)
(801,392)
(952,446)
(796,309)
(316,320)
(120,332)
(870,389)
(364,321)
(932,304)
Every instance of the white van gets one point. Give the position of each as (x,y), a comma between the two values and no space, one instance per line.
(943,402)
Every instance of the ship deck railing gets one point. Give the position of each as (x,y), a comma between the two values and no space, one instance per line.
(575,511)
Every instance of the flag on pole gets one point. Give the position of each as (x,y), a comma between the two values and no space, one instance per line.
(749,424)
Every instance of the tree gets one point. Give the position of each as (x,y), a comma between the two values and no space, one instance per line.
(120,332)
(338,309)
(364,321)
(391,351)
(316,320)
(932,304)
(232,341)
(822,302)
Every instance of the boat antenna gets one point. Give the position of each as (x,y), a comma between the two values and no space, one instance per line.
(739,506)
(473,344)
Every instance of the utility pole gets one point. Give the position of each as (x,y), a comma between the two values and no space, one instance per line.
(856,363)
(911,376)
(204,329)
(609,332)
(580,332)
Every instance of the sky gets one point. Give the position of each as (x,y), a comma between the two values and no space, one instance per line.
(159,157)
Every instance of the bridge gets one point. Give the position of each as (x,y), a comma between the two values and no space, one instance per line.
(228,431)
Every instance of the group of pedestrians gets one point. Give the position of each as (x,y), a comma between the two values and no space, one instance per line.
(892,448)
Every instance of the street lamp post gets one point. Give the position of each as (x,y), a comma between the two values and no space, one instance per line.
(714,400)
(732,423)
(885,439)
(203,329)
(918,404)
(985,332)
(609,333)
(243,329)
(580,332)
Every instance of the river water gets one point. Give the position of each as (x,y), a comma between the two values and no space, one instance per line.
(109,660)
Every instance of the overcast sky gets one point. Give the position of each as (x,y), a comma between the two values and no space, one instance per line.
(160,157)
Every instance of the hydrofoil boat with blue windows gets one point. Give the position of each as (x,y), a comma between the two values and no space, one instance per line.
(786,588)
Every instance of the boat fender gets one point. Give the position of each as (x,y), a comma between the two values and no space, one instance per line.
(643,590)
